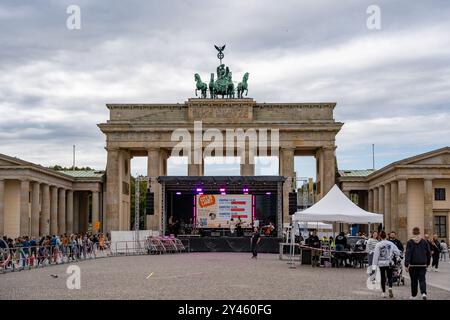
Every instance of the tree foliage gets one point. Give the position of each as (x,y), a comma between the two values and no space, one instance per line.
(142,192)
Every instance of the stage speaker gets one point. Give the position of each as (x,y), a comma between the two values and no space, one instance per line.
(150,203)
(292,203)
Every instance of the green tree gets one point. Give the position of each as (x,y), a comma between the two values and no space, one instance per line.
(142,200)
(60,168)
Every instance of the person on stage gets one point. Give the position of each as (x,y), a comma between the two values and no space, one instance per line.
(239,232)
(232,227)
(256,238)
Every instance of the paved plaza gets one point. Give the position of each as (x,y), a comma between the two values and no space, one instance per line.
(202,276)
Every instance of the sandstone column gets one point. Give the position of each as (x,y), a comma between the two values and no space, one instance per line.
(376,208)
(394,206)
(195,169)
(153,172)
(287,171)
(35,209)
(329,167)
(387,207)
(247,169)
(402,210)
(113,196)
(86,213)
(76,212)
(24,208)
(381,199)
(370,200)
(347,193)
(95,210)
(69,212)
(248,163)
(53,210)
(2,207)
(62,211)
(82,211)
(319,173)
(45,212)
(428,206)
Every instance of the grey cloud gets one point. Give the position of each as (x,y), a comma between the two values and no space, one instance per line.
(54,83)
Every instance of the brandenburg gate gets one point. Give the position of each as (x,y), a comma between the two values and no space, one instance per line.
(136,130)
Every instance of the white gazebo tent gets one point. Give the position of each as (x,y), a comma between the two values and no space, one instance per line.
(335,206)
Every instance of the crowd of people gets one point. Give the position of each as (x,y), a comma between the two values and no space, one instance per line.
(28,251)
(387,253)
(421,254)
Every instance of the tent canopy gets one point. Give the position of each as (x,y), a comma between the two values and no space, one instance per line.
(315,225)
(336,207)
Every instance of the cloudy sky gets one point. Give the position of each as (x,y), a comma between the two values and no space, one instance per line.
(392,86)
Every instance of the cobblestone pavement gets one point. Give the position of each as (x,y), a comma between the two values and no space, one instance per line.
(196,276)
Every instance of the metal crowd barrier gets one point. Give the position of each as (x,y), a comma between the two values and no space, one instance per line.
(25,258)
(151,245)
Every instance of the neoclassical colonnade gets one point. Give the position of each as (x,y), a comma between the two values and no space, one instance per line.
(403,192)
(146,131)
(391,200)
(37,201)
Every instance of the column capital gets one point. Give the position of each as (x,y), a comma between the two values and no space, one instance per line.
(329,148)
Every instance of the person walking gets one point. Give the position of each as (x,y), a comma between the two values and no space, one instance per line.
(417,259)
(435,253)
(384,254)
(370,246)
(444,250)
(256,238)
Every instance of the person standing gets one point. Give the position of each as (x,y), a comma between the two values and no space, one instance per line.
(398,243)
(370,246)
(384,254)
(341,242)
(232,227)
(435,253)
(256,238)
(314,243)
(239,231)
(444,250)
(417,259)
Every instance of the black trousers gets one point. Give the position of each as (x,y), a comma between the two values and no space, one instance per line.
(435,262)
(417,275)
(254,249)
(386,271)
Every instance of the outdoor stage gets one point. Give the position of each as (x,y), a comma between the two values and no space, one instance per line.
(257,200)
(230,244)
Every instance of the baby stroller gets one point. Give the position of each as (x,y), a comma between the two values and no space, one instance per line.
(397,272)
